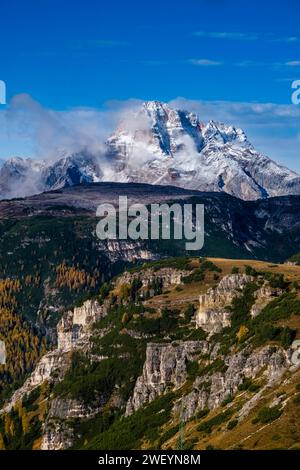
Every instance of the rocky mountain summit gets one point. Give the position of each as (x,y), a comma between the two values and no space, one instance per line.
(175,147)
(158,144)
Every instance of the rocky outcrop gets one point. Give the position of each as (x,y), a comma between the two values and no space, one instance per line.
(74,327)
(127,250)
(211,389)
(67,408)
(213,321)
(58,435)
(167,276)
(212,315)
(263,297)
(73,332)
(165,366)
(52,366)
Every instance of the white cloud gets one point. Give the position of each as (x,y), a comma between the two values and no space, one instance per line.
(293,63)
(251,36)
(226,35)
(28,129)
(48,133)
(205,62)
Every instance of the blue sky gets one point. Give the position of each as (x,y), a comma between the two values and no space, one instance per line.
(85,53)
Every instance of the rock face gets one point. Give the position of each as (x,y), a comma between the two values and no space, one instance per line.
(67,408)
(157,144)
(127,250)
(58,436)
(165,366)
(263,297)
(54,361)
(73,328)
(210,390)
(212,315)
(201,372)
(213,321)
(167,276)
(170,146)
(73,331)
(165,369)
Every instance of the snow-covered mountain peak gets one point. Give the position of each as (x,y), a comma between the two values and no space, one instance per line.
(223,134)
(158,144)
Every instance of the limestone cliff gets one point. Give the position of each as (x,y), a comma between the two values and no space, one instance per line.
(210,390)
(203,374)
(212,315)
(73,331)
(263,296)
(165,366)
(167,276)
(74,327)
(57,436)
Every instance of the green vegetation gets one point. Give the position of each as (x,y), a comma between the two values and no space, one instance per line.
(280,308)
(189,312)
(247,384)
(128,433)
(198,274)
(180,262)
(232,424)
(29,402)
(267,414)
(295,258)
(227,400)
(24,344)
(217,420)
(261,329)
(120,340)
(241,305)
(201,414)
(18,430)
(94,381)
(168,435)
(276,280)
(194,369)
(296,400)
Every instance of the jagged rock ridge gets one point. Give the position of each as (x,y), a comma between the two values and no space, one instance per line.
(161,145)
